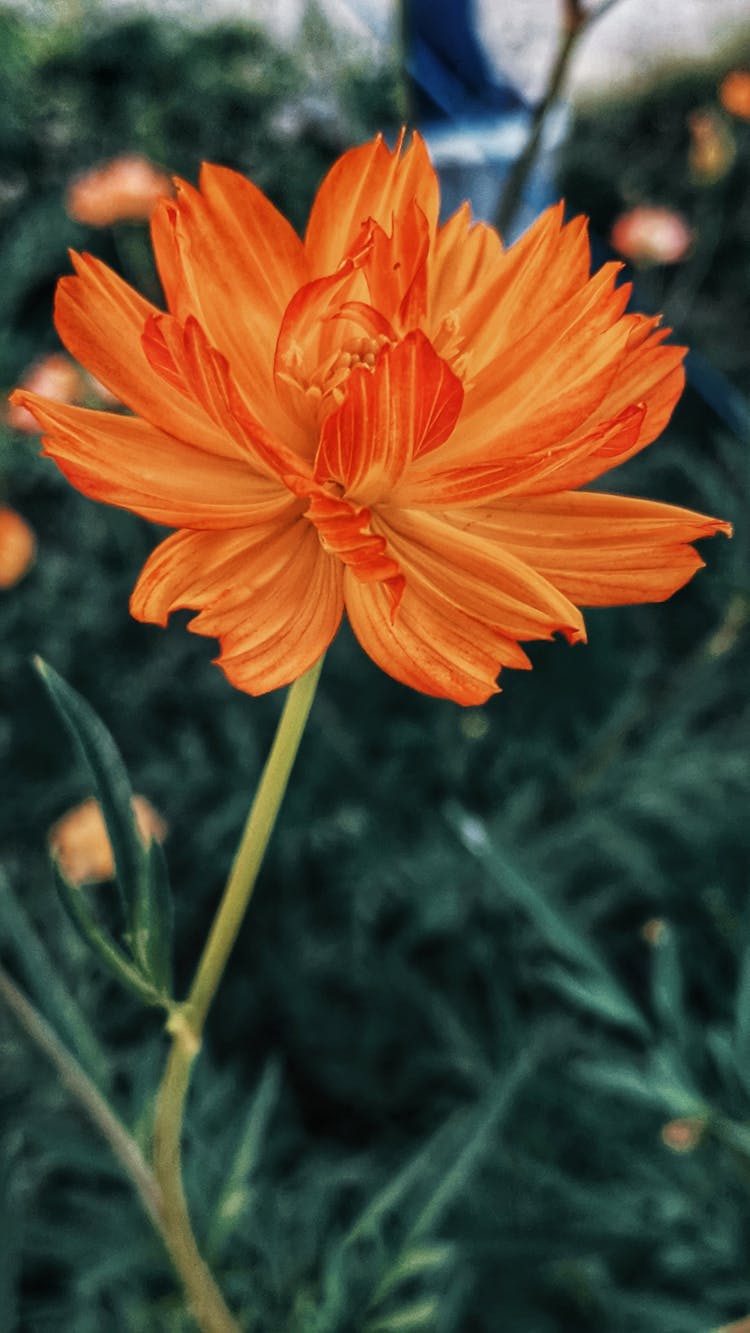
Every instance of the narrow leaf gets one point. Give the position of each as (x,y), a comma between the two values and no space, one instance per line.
(114,959)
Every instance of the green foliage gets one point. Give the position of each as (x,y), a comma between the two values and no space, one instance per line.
(438,1068)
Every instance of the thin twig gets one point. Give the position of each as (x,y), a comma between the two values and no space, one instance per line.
(87,1095)
(576,21)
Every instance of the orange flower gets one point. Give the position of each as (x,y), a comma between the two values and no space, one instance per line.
(127,189)
(17,547)
(734,93)
(391,418)
(80,844)
(652,235)
(56,377)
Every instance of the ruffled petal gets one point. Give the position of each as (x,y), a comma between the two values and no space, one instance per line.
(406,406)
(473,572)
(491,299)
(124,461)
(368,182)
(544,470)
(396,267)
(430,645)
(548,384)
(185,359)
(270,595)
(238,263)
(600,550)
(101,319)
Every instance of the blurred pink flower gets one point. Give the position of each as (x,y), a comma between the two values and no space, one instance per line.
(648,235)
(684,1134)
(80,844)
(734,93)
(58,378)
(127,189)
(17,547)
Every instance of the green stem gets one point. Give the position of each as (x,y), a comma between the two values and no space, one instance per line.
(187,1021)
(86,1093)
(575,22)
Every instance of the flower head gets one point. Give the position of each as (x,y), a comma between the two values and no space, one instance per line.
(734,93)
(127,189)
(80,844)
(649,235)
(390,418)
(17,547)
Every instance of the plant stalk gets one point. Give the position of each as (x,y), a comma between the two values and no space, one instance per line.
(188,1020)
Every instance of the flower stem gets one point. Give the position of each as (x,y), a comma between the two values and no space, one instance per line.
(575,22)
(85,1092)
(187,1020)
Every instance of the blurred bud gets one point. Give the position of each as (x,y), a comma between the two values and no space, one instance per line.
(17,547)
(654,930)
(734,93)
(712,146)
(652,236)
(126,189)
(734,622)
(683,1135)
(474,724)
(80,844)
(56,377)
(739,1326)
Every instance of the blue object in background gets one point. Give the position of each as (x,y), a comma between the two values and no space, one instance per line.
(475,121)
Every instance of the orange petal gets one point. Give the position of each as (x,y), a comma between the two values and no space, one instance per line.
(430,644)
(600,550)
(101,319)
(311,333)
(240,262)
(504,294)
(396,267)
(125,462)
(368,182)
(542,471)
(473,572)
(273,598)
(407,405)
(547,386)
(182,355)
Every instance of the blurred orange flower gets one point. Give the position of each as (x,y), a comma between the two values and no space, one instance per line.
(712,146)
(55,377)
(734,93)
(80,844)
(391,418)
(127,189)
(649,235)
(17,547)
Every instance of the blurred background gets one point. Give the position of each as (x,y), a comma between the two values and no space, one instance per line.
(482,1057)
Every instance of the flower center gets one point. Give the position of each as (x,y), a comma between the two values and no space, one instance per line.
(362,351)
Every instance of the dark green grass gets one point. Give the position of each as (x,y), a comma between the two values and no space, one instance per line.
(437,1071)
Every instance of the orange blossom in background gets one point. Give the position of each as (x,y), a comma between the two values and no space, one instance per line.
(126,189)
(390,418)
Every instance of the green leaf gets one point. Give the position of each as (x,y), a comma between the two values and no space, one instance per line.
(140,871)
(421,1314)
(113,957)
(598,995)
(47,986)
(667,985)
